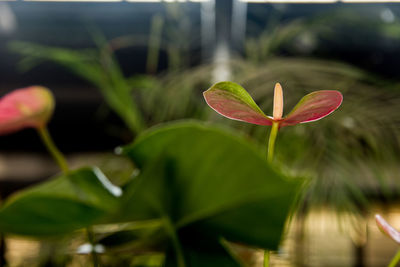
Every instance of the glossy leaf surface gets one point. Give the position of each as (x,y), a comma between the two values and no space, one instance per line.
(232,101)
(210,182)
(26,107)
(60,205)
(387,229)
(314,106)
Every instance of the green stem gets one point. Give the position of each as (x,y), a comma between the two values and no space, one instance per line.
(52,148)
(266,258)
(270,158)
(395,260)
(175,242)
(271,141)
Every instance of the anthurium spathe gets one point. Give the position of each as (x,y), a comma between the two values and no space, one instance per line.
(30,107)
(392,233)
(25,108)
(232,101)
(387,229)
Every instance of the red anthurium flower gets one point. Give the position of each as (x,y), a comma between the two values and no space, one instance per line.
(24,108)
(387,229)
(232,101)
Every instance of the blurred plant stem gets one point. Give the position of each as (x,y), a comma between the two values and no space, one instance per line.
(266,258)
(52,148)
(62,163)
(395,260)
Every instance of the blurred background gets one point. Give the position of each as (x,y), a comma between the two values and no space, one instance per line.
(119,67)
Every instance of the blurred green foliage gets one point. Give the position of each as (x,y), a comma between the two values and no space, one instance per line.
(182,205)
(350,158)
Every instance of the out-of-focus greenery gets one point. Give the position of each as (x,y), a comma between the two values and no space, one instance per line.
(374,31)
(100,67)
(97,66)
(350,154)
(350,157)
(186,205)
(132,98)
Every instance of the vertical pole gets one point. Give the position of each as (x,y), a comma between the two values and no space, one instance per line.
(238,25)
(222,55)
(208,30)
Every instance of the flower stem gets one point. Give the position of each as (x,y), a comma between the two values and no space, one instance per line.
(266,258)
(271,141)
(395,260)
(62,163)
(52,148)
(270,158)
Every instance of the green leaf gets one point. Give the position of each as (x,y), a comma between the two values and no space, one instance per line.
(232,101)
(60,205)
(205,179)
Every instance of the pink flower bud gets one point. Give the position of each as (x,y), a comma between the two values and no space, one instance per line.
(25,108)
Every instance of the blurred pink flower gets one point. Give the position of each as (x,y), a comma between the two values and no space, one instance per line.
(29,107)
(387,229)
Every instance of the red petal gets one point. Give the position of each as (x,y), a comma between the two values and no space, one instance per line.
(313,106)
(232,101)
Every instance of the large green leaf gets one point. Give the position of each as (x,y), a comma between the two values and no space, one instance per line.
(204,179)
(60,205)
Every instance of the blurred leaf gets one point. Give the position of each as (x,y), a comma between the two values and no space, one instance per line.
(60,205)
(232,101)
(206,182)
(98,67)
(83,63)
(140,234)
